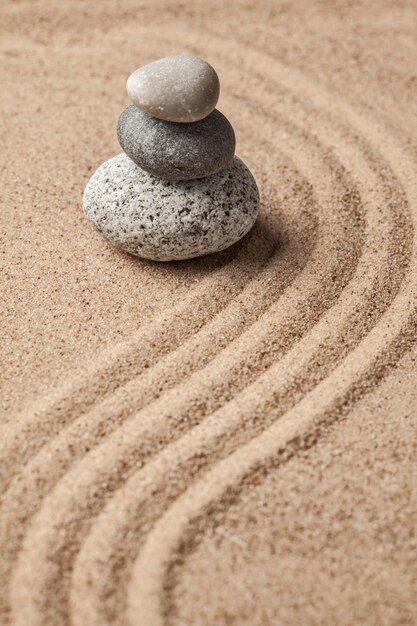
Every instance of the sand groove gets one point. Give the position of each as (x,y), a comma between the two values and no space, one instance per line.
(196,447)
(371,283)
(127,528)
(102,538)
(184,520)
(192,454)
(281,339)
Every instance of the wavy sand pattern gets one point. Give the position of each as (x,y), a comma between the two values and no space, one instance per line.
(130,456)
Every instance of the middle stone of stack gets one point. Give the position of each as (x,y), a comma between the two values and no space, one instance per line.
(176,151)
(173,130)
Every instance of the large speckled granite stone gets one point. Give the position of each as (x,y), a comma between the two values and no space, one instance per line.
(181,88)
(165,220)
(176,151)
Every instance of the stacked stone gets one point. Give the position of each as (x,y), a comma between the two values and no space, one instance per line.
(177,191)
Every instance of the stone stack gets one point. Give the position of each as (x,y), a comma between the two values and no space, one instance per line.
(177,191)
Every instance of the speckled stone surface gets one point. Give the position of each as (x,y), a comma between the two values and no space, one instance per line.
(176,151)
(181,88)
(165,220)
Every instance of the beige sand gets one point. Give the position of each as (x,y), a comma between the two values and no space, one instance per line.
(227,441)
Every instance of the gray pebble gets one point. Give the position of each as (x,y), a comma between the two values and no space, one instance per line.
(176,151)
(180,88)
(166,220)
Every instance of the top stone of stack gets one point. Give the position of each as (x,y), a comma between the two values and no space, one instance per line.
(179,88)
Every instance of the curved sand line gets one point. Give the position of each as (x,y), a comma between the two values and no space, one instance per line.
(348,381)
(118,498)
(177,531)
(132,510)
(120,519)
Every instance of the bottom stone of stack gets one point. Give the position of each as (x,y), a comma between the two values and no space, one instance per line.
(170,220)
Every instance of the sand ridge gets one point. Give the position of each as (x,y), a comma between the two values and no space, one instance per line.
(115,472)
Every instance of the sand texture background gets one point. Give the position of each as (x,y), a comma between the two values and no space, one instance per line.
(230,440)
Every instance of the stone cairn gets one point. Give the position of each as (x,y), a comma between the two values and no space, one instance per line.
(177,191)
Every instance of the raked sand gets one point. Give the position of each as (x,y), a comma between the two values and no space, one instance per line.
(230,440)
